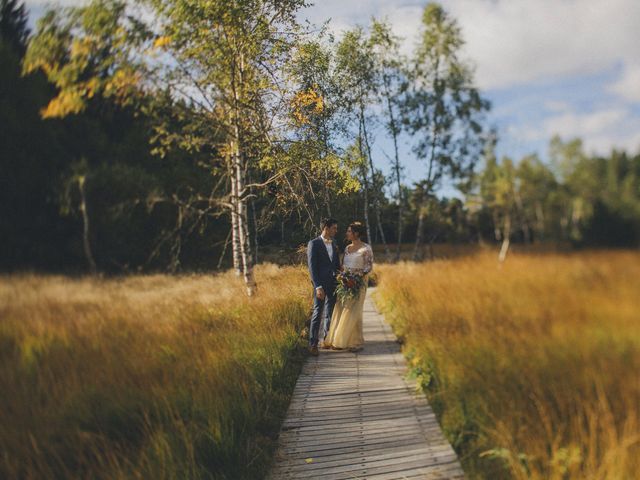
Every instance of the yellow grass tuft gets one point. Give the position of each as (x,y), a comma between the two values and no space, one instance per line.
(532,366)
(146,376)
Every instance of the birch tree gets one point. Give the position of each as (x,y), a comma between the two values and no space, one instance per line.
(443,109)
(222,59)
(386,48)
(229,54)
(359,82)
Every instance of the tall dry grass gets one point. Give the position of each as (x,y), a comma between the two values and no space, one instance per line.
(532,367)
(146,377)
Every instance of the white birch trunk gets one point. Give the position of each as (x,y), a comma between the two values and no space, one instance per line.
(85,226)
(418,247)
(235,233)
(506,236)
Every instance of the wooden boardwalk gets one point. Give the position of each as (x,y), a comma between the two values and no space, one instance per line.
(355,416)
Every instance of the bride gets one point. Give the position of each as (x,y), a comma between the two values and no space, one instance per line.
(345,330)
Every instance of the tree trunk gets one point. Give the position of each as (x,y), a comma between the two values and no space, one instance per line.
(396,168)
(242,220)
(417,248)
(366,207)
(85,225)
(376,202)
(496,228)
(539,222)
(177,243)
(576,218)
(224,250)
(242,244)
(430,248)
(426,191)
(365,182)
(526,229)
(235,232)
(327,193)
(256,245)
(506,236)
(430,180)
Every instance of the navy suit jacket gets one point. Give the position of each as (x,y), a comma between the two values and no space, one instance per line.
(323,269)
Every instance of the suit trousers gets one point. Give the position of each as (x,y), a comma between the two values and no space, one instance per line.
(322,311)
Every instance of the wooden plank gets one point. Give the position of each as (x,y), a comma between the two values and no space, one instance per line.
(379,425)
(344,460)
(392,456)
(356,421)
(285,457)
(363,411)
(367,472)
(355,415)
(449,471)
(338,419)
(358,445)
(390,461)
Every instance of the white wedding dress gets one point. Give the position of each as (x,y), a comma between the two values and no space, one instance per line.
(345,329)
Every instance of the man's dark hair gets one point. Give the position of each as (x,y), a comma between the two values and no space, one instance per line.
(327,222)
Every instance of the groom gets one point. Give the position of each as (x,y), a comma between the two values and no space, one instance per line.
(324,263)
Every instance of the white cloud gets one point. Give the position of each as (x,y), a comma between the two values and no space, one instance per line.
(40,4)
(522,43)
(556,106)
(600,129)
(628,85)
(571,123)
(514,42)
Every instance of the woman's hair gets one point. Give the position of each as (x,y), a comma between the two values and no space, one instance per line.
(360,229)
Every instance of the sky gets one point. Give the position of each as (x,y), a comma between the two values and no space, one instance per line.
(567,67)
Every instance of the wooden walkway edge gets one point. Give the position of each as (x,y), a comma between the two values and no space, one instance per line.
(356,416)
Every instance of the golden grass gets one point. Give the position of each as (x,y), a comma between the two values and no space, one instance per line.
(146,376)
(533,367)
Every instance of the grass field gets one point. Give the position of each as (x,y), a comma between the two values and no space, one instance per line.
(533,367)
(150,377)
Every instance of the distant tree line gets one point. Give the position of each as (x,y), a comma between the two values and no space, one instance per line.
(584,200)
(217,129)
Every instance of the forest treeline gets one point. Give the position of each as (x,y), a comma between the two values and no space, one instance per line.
(173,135)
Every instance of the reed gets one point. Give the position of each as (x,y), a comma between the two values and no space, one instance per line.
(146,376)
(531,366)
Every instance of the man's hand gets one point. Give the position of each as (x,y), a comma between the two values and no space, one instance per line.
(320,293)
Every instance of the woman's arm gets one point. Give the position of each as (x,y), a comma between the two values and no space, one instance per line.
(368,259)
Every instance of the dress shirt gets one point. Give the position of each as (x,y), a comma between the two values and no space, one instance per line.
(329,244)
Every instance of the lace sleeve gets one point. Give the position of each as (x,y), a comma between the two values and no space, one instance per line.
(368,259)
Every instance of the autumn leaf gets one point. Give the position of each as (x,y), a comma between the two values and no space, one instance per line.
(162,42)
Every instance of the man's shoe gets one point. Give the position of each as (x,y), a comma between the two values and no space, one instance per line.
(325,346)
(313,351)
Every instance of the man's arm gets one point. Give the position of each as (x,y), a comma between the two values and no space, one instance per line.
(311,262)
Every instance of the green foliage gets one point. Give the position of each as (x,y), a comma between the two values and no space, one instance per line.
(585,200)
(442,106)
(13,25)
(88,51)
(151,105)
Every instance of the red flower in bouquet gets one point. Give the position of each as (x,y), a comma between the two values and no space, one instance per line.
(349,285)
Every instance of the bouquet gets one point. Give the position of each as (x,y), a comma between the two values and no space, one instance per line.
(349,285)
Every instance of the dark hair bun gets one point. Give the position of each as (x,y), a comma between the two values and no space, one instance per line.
(360,229)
